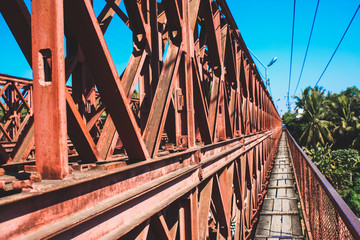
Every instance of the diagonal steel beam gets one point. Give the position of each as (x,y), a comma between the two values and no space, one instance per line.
(159,227)
(79,132)
(25,142)
(128,82)
(204,206)
(107,14)
(200,107)
(159,109)
(16,12)
(92,42)
(218,200)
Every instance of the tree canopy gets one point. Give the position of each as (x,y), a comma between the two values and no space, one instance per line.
(327,126)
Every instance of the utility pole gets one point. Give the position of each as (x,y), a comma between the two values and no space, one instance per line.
(267,80)
(288,102)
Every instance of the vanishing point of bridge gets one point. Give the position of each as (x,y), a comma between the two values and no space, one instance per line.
(191,156)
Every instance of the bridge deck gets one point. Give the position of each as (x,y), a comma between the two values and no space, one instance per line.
(279,218)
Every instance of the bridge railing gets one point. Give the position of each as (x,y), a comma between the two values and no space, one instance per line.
(325,213)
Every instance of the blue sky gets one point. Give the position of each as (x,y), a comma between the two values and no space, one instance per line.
(266,28)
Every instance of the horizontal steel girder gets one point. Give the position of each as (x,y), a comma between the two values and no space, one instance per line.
(127,196)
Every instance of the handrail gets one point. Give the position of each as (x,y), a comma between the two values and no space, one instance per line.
(326,215)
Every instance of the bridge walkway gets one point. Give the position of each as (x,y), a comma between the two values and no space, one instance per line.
(279,217)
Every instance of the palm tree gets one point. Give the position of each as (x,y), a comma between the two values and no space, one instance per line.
(342,114)
(300,100)
(318,128)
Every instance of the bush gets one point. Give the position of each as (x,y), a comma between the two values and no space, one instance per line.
(352,196)
(341,167)
(322,157)
(293,124)
(353,201)
(347,162)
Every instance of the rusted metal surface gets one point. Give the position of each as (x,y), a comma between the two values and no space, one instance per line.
(188,158)
(120,200)
(47,31)
(17,131)
(325,213)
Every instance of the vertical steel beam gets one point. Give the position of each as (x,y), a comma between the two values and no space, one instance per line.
(194,214)
(220,121)
(189,50)
(184,220)
(47,34)
(180,107)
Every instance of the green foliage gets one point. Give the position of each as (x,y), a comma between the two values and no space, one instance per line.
(332,118)
(341,168)
(135,94)
(103,116)
(321,156)
(1,114)
(345,162)
(329,127)
(349,158)
(318,128)
(352,195)
(353,201)
(293,124)
(24,112)
(346,121)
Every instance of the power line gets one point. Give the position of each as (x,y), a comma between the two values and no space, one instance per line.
(338,45)
(307,48)
(260,63)
(261,74)
(291,55)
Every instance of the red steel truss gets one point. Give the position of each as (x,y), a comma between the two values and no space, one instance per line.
(189,158)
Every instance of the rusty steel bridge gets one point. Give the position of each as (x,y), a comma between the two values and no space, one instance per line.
(190,157)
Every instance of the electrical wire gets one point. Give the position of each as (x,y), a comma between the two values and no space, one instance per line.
(263,78)
(307,48)
(338,45)
(291,54)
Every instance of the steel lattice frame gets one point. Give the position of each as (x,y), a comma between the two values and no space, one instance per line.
(199,141)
